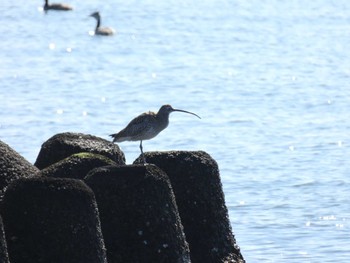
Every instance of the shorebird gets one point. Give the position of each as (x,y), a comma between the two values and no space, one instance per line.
(146,126)
(103,31)
(57,6)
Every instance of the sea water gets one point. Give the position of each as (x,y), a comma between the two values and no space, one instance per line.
(269,78)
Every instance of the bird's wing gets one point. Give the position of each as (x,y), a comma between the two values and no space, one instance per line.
(136,128)
(105,31)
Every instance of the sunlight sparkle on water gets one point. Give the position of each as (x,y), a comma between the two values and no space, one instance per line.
(327,218)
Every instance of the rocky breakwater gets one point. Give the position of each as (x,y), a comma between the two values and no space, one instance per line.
(81,203)
(195,179)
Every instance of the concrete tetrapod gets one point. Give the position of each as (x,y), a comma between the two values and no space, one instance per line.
(139,216)
(195,178)
(12,167)
(62,145)
(52,220)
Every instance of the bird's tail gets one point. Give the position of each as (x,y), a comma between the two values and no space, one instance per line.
(114,136)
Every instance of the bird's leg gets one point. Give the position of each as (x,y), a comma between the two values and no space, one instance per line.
(143,156)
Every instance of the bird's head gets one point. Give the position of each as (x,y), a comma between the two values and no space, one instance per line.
(95,15)
(167,109)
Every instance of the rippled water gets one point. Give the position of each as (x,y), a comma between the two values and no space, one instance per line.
(270,80)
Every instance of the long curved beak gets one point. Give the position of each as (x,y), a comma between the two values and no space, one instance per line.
(187,112)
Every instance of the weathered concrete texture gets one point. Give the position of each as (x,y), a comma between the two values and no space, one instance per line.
(12,167)
(3,246)
(196,182)
(63,145)
(52,220)
(139,216)
(76,166)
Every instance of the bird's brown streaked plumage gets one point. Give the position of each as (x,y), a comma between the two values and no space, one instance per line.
(146,126)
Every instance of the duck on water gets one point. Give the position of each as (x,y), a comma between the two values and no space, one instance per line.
(103,31)
(57,6)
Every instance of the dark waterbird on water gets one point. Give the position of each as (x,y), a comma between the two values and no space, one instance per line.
(103,31)
(146,126)
(57,6)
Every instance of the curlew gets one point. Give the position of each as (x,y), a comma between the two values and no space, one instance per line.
(103,31)
(146,126)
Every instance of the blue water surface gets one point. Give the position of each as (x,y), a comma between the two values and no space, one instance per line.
(269,78)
